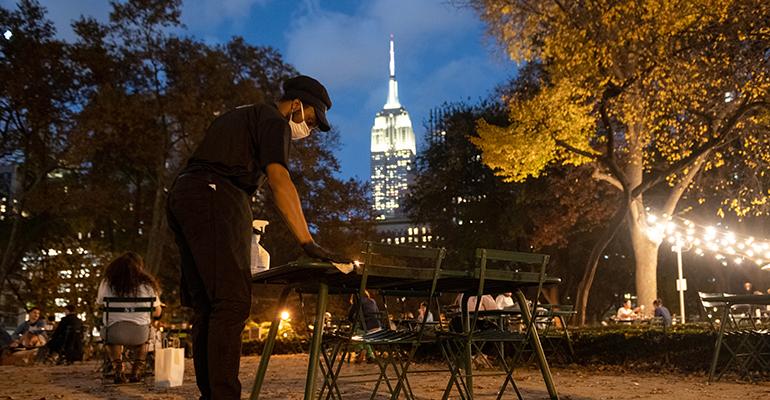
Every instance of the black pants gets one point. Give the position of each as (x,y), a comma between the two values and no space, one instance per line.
(211,220)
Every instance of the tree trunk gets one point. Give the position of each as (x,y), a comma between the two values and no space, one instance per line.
(646,257)
(584,288)
(9,253)
(158,233)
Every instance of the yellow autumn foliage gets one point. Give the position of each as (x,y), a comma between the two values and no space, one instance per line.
(684,72)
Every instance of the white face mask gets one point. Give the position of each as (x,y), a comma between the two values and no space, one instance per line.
(299,130)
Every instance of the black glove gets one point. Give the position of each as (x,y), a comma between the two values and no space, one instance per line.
(312,249)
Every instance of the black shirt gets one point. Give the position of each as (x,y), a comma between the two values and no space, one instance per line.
(241,143)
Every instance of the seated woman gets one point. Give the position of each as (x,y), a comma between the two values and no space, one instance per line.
(125,277)
(30,333)
(626,313)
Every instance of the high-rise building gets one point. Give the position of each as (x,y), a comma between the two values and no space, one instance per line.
(393,150)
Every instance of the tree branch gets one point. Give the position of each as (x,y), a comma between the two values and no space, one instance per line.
(717,140)
(584,153)
(601,176)
(683,184)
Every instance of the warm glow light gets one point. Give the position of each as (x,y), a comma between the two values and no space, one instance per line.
(730,237)
(727,247)
(284,315)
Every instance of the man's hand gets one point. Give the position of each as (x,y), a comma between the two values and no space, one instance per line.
(312,249)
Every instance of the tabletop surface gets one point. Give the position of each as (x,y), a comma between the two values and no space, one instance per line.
(740,299)
(309,272)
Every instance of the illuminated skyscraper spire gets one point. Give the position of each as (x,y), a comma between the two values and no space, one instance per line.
(393,149)
(392,85)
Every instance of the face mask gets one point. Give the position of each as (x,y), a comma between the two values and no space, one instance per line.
(299,130)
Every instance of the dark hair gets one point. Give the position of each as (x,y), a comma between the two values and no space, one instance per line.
(125,275)
(33,309)
(423,304)
(70,307)
(657,302)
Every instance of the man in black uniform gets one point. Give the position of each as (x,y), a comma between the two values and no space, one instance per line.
(209,212)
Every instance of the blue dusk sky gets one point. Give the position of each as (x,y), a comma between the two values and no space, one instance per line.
(442,53)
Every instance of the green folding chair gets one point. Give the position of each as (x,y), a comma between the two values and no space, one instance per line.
(494,268)
(384,267)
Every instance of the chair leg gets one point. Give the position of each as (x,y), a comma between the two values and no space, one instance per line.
(451,352)
(508,368)
(120,377)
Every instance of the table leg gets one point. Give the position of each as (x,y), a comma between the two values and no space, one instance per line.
(718,346)
(315,346)
(538,347)
(468,349)
(264,358)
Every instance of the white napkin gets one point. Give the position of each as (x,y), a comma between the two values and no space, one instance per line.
(343,267)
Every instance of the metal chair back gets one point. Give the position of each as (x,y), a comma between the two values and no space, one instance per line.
(125,305)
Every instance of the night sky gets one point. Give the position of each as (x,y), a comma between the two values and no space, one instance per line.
(442,53)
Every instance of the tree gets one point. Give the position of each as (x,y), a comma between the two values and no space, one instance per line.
(461,199)
(468,206)
(645,92)
(37,103)
(100,127)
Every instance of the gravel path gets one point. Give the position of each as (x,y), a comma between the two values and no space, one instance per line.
(286,377)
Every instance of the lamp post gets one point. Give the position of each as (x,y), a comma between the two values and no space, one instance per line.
(681,283)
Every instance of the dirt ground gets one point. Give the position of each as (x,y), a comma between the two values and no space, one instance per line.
(286,377)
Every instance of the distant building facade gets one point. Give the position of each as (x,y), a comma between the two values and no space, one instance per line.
(393,151)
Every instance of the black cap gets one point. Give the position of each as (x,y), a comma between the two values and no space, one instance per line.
(311,92)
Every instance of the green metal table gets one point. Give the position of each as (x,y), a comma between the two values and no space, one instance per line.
(312,276)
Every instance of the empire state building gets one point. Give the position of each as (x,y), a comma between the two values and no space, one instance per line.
(393,151)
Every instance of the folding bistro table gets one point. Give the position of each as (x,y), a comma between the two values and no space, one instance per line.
(312,276)
(752,341)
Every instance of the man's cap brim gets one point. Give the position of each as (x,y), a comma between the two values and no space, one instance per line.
(318,106)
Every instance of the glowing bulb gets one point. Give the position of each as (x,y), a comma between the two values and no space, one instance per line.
(8,34)
(284,315)
(730,237)
(651,219)
(738,260)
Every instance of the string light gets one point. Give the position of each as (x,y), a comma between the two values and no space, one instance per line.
(726,246)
